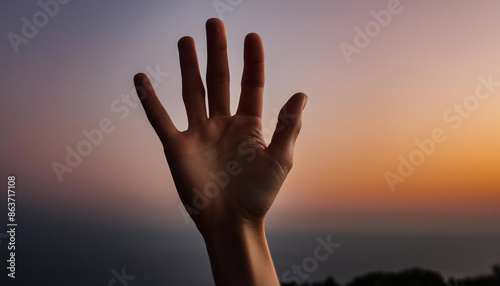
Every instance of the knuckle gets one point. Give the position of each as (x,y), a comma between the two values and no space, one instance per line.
(218,77)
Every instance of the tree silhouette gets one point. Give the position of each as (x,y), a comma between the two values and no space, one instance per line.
(412,277)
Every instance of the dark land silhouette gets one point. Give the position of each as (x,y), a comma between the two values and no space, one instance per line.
(411,277)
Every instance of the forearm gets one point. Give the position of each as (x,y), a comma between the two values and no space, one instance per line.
(239,255)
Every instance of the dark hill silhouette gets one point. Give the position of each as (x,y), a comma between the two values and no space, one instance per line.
(411,277)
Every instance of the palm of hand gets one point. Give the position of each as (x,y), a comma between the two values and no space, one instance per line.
(223,173)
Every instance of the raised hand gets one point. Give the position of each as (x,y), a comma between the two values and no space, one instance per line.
(226,176)
(222,169)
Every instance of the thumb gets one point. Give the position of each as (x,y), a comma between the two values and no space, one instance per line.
(287,130)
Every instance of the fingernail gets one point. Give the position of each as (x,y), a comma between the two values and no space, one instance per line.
(305,102)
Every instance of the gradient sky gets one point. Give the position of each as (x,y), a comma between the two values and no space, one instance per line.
(361,116)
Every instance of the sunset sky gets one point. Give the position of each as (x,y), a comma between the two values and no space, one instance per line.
(364,110)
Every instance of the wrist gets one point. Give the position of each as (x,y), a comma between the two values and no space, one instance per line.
(239,255)
(240,229)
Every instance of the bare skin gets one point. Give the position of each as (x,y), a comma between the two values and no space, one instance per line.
(225,175)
